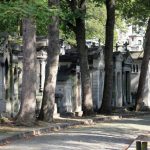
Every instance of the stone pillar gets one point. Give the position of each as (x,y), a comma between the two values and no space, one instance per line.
(56,114)
(96,88)
(7,82)
(2,99)
(16,102)
(124,87)
(74,93)
(119,90)
(42,74)
(13,67)
(1,82)
(115,91)
(101,87)
(128,94)
(98,81)
(114,94)
(12,87)
(68,90)
(78,100)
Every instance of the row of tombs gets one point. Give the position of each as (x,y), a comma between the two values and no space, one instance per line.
(68,89)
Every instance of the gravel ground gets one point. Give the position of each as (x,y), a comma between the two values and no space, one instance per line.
(114,135)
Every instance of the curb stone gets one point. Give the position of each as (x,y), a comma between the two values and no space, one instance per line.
(127,147)
(132,145)
(109,118)
(134,115)
(37,132)
(54,128)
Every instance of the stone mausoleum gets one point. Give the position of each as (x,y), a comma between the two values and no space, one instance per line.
(68,89)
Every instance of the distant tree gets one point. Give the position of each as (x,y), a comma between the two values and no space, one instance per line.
(53,52)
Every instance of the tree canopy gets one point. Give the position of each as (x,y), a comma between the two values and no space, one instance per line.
(12,12)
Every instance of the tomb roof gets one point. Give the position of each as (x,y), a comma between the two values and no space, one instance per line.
(118,56)
(137,54)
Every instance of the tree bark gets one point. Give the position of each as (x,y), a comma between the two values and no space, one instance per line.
(53,52)
(108,82)
(87,102)
(144,69)
(26,115)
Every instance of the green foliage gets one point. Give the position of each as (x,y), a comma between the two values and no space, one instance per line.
(66,17)
(135,11)
(95,21)
(12,12)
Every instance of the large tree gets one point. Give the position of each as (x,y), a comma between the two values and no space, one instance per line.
(11,12)
(53,52)
(144,69)
(26,115)
(138,12)
(87,102)
(108,82)
(144,7)
(77,9)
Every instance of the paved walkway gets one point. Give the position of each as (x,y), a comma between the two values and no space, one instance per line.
(114,135)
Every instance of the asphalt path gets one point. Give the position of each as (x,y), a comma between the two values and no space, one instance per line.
(114,135)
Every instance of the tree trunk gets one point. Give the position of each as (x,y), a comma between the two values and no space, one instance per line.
(87,102)
(26,115)
(53,52)
(144,69)
(108,83)
(79,30)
